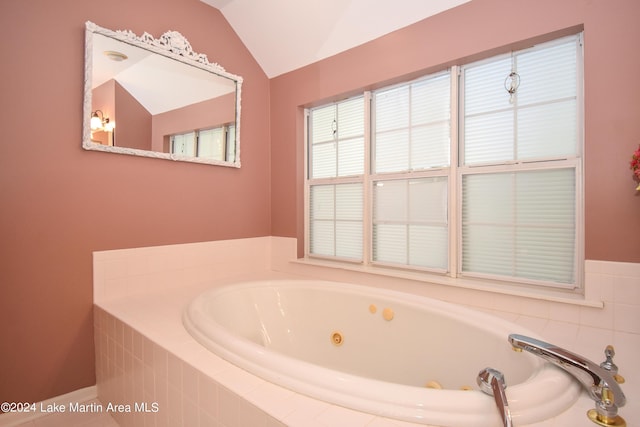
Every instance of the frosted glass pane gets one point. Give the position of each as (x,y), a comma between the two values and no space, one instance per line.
(545,254)
(321,199)
(351,157)
(322,124)
(520,224)
(390,201)
(390,243)
(323,159)
(428,200)
(322,238)
(484,86)
(430,100)
(428,246)
(489,138)
(430,146)
(546,198)
(487,249)
(392,109)
(487,198)
(547,74)
(351,118)
(349,239)
(349,203)
(548,130)
(392,151)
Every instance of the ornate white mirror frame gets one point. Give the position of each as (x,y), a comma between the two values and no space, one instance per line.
(170,45)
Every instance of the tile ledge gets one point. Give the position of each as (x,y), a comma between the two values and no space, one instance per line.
(471,284)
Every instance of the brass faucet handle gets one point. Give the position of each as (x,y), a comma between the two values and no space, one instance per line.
(608,364)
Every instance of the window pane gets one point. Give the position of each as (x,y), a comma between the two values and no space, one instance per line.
(489,138)
(349,202)
(337,139)
(430,146)
(428,246)
(390,201)
(547,74)
(428,200)
(392,109)
(349,239)
(390,243)
(392,151)
(484,87)
(323,160)
(538,122)
(548,131)
(322,201)
(351,118)
(410,222)
(323,124)
(335,220)
(184,144)
(211,143)
(520,224)
(351,157)
(430,100)
(322,238)
(412,126)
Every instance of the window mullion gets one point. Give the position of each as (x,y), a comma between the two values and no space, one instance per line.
(367,214)
(453,202)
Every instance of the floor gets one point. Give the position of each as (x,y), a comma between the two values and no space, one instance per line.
(77,419)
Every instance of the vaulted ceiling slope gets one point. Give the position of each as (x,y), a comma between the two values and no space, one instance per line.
(284,35)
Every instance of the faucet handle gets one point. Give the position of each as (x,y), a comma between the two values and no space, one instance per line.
(608,364)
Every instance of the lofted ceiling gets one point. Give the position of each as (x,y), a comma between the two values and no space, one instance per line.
(283,35)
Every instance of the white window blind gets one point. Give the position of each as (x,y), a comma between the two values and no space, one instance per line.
(519,165)
(539,122)
(184,144)
(211,143)
(337,140)
(410,224)
(412,137)
(336,220)
(336,168)
(412,126)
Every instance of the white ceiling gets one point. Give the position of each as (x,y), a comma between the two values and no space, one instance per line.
(159,83)
(284,35)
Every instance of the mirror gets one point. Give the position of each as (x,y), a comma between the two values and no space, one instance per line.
(158,98)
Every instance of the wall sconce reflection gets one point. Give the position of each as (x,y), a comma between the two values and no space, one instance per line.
(101,123)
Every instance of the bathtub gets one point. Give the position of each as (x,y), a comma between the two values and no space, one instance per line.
(378,351)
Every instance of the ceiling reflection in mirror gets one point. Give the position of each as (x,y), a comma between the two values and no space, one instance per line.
(157,98)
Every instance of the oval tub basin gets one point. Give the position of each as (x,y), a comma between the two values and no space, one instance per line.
(379,351)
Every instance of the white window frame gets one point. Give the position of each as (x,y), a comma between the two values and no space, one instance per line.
(455,173)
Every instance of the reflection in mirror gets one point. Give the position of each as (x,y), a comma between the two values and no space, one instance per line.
(157,98)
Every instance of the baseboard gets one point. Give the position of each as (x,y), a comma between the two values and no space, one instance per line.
(9,419)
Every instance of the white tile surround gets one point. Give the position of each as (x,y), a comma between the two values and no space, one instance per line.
(144,355)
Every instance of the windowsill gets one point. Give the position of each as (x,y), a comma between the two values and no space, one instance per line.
(559,296)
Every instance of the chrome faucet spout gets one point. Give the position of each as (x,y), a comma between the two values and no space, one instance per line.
(599,382)
(492,383)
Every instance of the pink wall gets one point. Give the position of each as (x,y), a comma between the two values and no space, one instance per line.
(480,28)
(58,202)
(132,120)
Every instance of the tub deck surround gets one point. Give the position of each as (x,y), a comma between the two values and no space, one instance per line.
(143,352)
(375,350)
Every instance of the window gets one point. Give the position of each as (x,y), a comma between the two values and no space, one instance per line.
(336,160)
(216,143)
(472,172)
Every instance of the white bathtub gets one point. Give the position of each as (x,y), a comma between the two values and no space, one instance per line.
(377,351)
